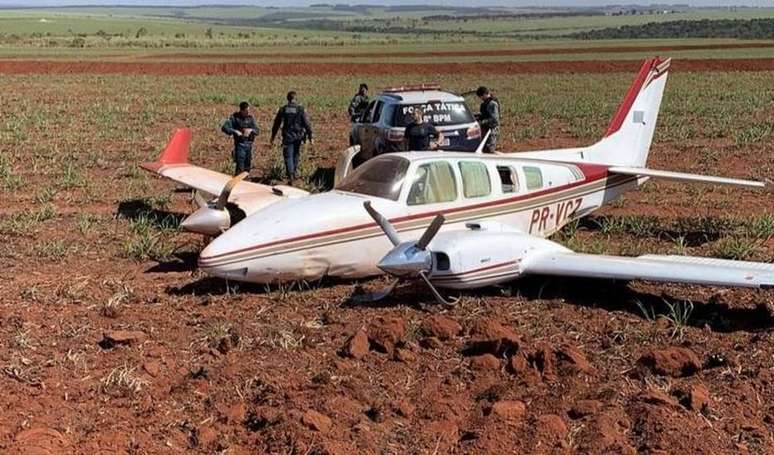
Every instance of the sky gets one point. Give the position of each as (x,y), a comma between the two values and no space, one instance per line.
(758,3)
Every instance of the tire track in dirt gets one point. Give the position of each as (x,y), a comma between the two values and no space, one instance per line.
(470,53)
(276,69)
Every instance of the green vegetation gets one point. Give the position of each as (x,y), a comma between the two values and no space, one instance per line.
(248,26)
(704,28)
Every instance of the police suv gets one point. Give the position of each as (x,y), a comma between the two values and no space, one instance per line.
(381,128)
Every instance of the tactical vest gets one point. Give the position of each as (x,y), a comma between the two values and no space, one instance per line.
(293,122)
(485,104)
(241,124)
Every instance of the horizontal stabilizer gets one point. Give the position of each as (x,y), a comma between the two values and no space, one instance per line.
(670,269)
(249,196)
(683,177)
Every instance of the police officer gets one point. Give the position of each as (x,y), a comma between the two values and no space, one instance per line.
(359,103)
(419,134)
(243,128)
(356,109)
(295,130)
(489,119)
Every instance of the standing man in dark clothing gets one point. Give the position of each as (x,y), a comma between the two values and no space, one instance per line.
(243,128)
(295,130)
(359,103)
(357,108)
(419,134)
(489,119)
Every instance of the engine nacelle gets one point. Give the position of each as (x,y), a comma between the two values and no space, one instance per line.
(208,221)
(483,255)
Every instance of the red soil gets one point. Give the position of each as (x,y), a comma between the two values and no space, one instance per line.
(474,53)
(273,69)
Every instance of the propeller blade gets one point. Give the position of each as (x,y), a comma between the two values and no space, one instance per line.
(374,296)
(199,199)
(220,204)
(383,223)
(428,235)
(436,294)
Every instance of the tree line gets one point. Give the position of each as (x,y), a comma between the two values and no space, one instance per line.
(704,28)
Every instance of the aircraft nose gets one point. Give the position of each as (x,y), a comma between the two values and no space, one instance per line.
(221,260)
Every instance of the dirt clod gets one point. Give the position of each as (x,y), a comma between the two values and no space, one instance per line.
(697,398)
(152,367)
(386,333)
(551,427)
(115,338)
(441,327)
(657,398)
(404,408)
(404,355)
(509,410)
(317,421)
(357,345)
(671,361)
(572,360)
(488,336)
(486,362)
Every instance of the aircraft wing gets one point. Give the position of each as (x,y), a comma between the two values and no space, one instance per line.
(173,164)
(684,177)
(674,269)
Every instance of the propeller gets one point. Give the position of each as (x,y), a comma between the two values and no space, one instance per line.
(408,259)
(220,204)
(212,219)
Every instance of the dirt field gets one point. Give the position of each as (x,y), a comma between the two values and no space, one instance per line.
(476,52)
(365,69)
(112,342)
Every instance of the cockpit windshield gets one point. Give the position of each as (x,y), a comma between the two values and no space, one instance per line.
(381,177)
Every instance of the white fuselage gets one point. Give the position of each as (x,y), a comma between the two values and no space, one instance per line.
(330,234)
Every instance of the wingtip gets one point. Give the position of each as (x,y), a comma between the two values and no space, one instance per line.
(178,147)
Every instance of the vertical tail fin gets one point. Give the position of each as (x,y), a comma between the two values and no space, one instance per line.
(629,135)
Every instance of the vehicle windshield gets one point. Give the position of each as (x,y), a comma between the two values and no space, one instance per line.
(381,177)
(436,112)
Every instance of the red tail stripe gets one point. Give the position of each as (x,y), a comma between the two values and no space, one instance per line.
(631,95)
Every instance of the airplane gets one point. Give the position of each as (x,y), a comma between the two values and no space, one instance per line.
(479,219)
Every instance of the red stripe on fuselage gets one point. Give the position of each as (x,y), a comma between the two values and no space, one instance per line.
(457,275)
(592,172)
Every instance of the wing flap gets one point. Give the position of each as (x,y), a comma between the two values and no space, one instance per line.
(684,177)
(672,269)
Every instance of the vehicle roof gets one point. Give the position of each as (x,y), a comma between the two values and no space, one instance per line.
(420,96)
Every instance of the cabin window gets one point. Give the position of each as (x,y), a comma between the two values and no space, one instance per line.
(533,177)
(433,183)
(381,177)
(509,180)
(475,179)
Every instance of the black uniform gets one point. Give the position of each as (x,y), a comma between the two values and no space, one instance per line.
(357,107)
(243,145)
(295,129)
(419,135)
(490,121)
